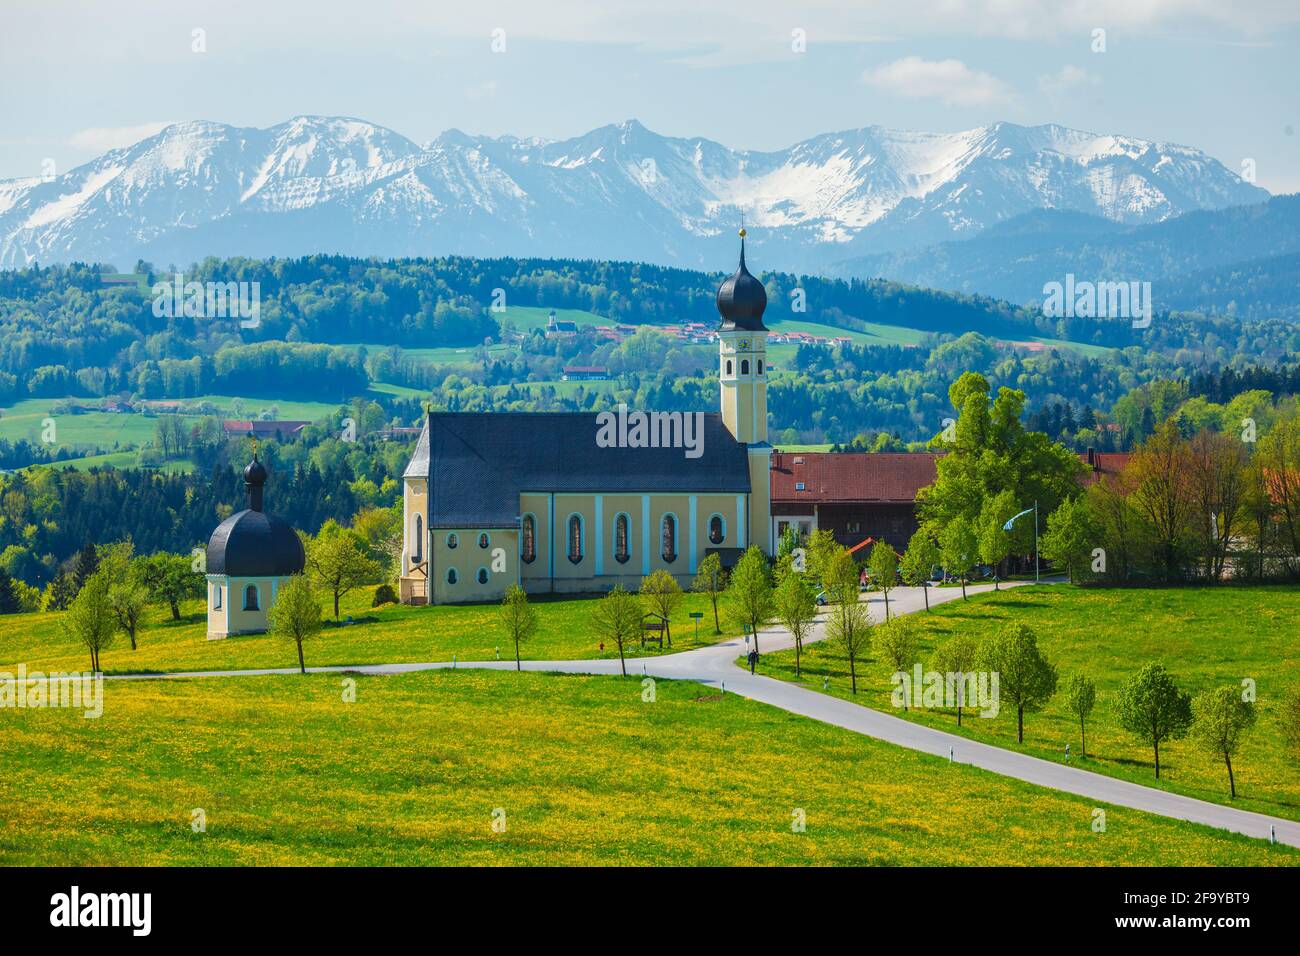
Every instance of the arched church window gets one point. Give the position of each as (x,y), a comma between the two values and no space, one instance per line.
(760,366)
(452,577)
(744,366)
(484,540)
(453,540)
(418,554)
(717,530)
(250,598)
(670,538)
(621,534)
(575,538)
(728,366)
(216,597)
(482,575)
(529,539)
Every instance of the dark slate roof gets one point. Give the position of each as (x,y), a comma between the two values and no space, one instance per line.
(479,464)
(741,298)
(254,544)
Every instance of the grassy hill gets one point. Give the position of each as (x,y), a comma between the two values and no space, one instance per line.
(1207,637)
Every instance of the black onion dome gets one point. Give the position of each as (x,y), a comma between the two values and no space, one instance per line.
(742,298)
(253,544)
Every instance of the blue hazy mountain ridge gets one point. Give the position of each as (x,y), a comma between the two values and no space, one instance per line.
(1240,259)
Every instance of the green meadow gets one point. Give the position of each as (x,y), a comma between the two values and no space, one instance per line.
(1206,637)
(393,632)
(488,768)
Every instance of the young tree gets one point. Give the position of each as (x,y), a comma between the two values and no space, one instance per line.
(749,594)
(895,644)
(958,545)
(957,656)
(617,617)
(663,594)
(296,614)
(710,579)
(848,624)
(337,562)
(128,600)
(919,561)
(9,603)
(170,579)
(1070,537)
(1152,708)
(1291,721)
(1219,719)
(884,566)
(1025,676)
(796,610)
(1219,490)
(1080,697)
(1162,493)
(518,617)
(89,619)
(993,539)
(820,553)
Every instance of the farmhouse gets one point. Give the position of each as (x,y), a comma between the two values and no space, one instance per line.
(550,502)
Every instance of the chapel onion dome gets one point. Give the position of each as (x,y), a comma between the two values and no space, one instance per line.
(252,543)
(742,298)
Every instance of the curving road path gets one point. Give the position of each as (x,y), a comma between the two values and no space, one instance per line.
(716,665)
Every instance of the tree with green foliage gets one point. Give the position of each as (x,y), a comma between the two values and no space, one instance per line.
(1220,717)
(59,592)
(1291,721)
(295,616)
(9,603)
(749,593)
(710,579)
(1153,709)
(1025,677)
(1070,537)
(85,564)
(883,565)
(957,656)
(170,579)
(661,592)
(848,622)
(821,551)
(89,619)
(919,561)
(1080,698)
(617,619)
(796,609)
(337,562)
(518,618)
(994,540)
(895,645)
(958,546)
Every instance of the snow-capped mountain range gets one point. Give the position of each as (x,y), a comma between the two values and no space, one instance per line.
(326,184)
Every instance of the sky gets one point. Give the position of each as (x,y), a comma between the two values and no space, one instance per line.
(1222,76)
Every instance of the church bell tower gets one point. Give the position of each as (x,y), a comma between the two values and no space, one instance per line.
(743,371)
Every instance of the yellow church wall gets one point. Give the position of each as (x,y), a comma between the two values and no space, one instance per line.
(415,501)
(468,558)
(232,618)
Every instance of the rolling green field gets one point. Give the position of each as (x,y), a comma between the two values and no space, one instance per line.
(573,770)
(390,633)
(1207,637)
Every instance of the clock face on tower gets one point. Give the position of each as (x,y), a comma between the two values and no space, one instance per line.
(743,345)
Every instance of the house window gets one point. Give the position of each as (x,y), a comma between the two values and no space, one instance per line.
(530,539)
(621,534)
(575,538)
(250,598)
(452,577)
(453,540)
(717,529)
(418,553)
(216,597)
(744,366)
(482,575)
(670,539)
(484,540)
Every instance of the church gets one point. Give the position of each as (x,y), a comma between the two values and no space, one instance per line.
(565,503)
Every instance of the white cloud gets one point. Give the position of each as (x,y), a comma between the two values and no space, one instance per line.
(99,139)
(1068,79)
(950,81)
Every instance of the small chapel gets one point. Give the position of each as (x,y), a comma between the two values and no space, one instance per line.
(546,501)
(249,556)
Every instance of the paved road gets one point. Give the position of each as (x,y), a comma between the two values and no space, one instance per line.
(716,665)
